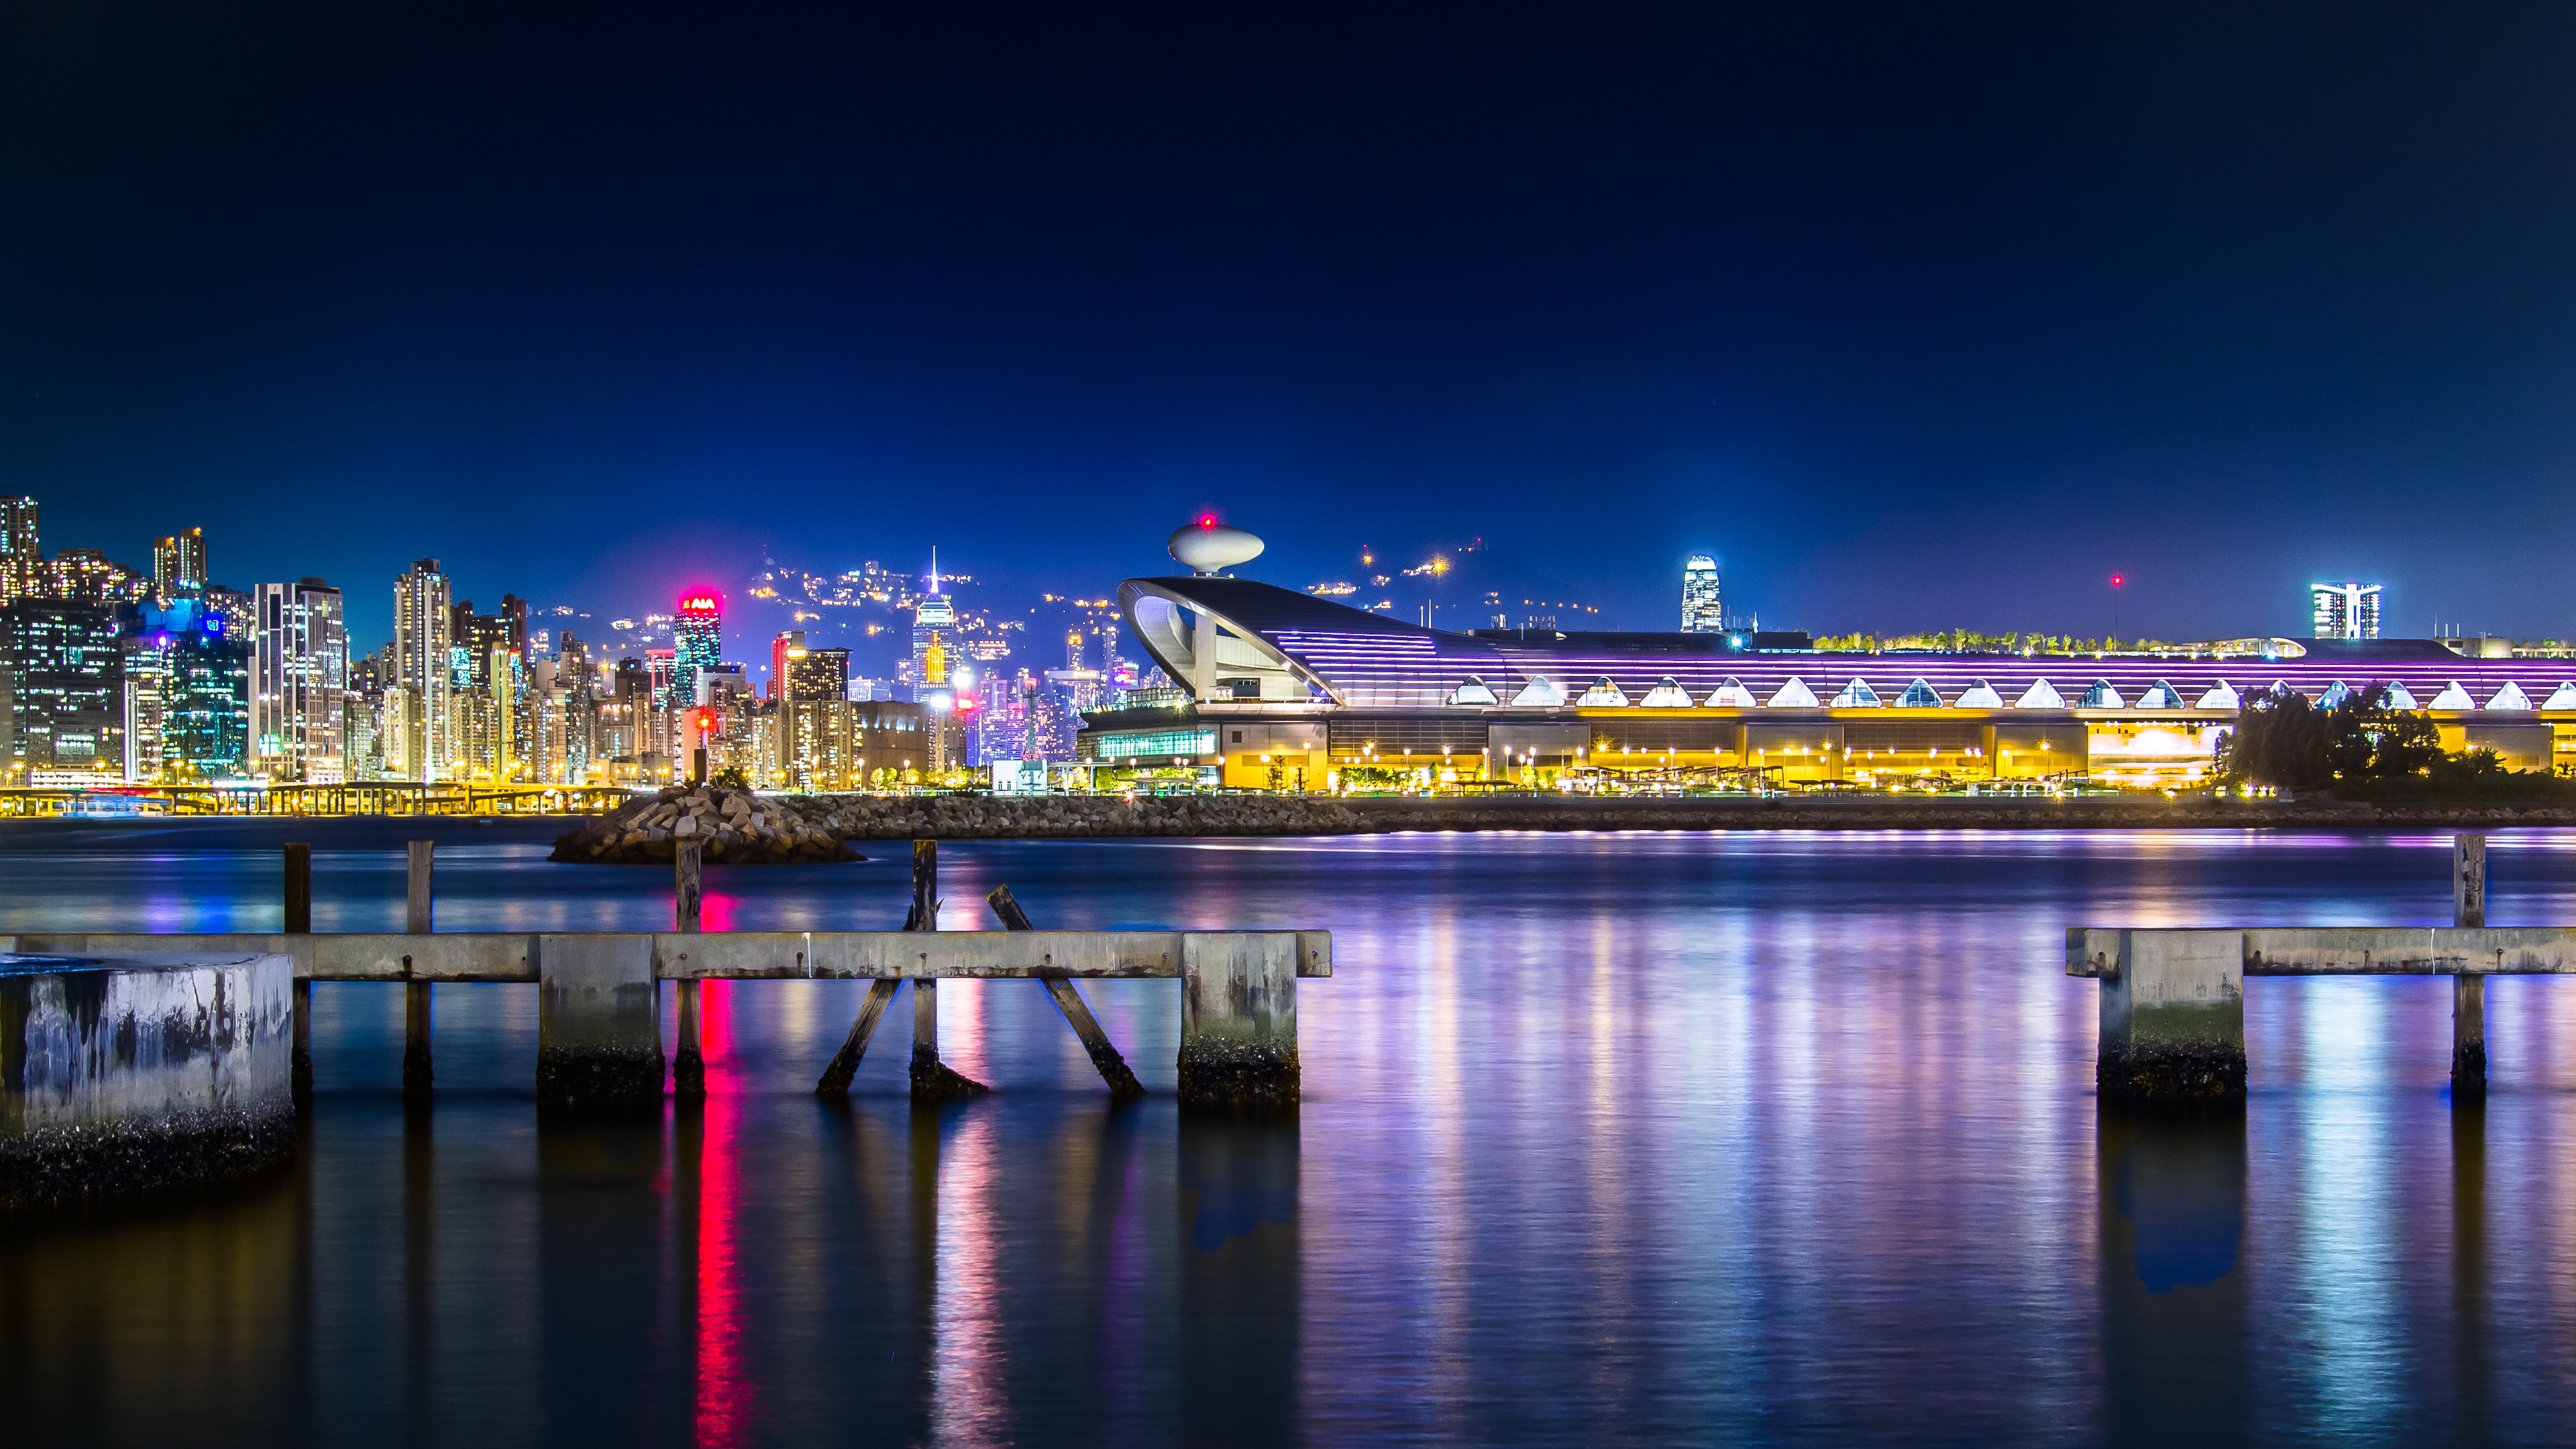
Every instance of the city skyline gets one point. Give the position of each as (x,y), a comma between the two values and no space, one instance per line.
(1939,327)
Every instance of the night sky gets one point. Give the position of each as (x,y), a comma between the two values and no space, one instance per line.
(1916,319)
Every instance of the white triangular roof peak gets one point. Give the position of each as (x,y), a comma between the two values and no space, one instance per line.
(2453,697)
(2563,697)
(2220,696)
(2042,695)
(1981,695)
(1540,693)
(1794,695)
(1732,695)
(2510,697)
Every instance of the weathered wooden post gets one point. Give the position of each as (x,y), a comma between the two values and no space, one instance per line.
(2468,990)
(299,922)
(417,1070)
(2173,1019)
(1239,1020)
(844,1066)
(932,1079)
(1077,1013)
(689,1063)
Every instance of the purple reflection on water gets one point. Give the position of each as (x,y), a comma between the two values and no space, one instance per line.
(1767,1137)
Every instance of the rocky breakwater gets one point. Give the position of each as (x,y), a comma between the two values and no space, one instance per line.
(731,827)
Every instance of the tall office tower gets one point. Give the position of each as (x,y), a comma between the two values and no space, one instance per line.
(934,637)
(299,682)
(1073,648)
(422,669)
(697,643)
(2346,611)
(19,550)
(62,679)
(179,566)
(1700,613)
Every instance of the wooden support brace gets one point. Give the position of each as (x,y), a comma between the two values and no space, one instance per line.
(1077,1013)
(845,1062)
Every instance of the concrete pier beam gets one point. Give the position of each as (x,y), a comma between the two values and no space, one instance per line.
(138,1072)
(2173,1019)
(1239,1019)
(2468,992)
(599,1023)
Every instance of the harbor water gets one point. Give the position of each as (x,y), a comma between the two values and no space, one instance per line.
(1676,1138)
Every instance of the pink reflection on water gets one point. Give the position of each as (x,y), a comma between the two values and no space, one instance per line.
(727,1397)
(970,1392)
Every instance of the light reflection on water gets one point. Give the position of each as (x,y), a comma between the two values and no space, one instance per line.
(1608,1139)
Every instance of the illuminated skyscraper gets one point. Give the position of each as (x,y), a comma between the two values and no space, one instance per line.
(2346,611)
(299,677)
(934,637)
(179,566)
(1700,614)
(697,642)
(421,671)
(19,551)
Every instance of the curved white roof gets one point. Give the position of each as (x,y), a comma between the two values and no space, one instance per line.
(1667,694)
(1473,690)
(1540,693)
(1732,695)
(2453,697)
(2042,695)
(1980,695)
(1857,695)
(2510,697)
(1920,695)
(2398,696)
(1603,695)
(2336,693)
(2564,697)
(2221,697)
(1794,695)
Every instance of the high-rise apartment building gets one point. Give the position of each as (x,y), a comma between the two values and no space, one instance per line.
(179,566)
(19,551)
(64,714)
(934,640)
(422,669)
(299,683)
(2345,611)
(1700,612)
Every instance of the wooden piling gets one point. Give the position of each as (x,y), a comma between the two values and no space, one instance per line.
(417,1070)
(299,922)
(2468,991)
(688,1063)
(932,1079)
(1077,1013)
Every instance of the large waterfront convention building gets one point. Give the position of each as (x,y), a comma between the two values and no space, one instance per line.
(1279,688)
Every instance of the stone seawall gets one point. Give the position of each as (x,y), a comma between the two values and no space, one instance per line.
(969,817)
(791,829)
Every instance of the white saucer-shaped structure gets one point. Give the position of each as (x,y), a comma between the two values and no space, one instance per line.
(1207,547)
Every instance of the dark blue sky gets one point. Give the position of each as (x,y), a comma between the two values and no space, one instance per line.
(1915,318)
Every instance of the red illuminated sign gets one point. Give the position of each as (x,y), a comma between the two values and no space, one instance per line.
(698,604)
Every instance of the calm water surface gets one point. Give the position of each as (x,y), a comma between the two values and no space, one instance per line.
(1607,1139)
